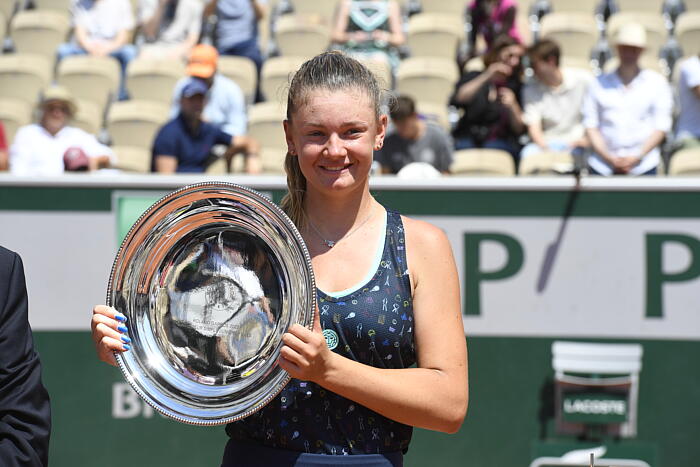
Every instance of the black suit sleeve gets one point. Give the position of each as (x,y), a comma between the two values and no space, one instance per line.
(25,414)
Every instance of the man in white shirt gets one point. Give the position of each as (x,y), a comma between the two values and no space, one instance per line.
(552,102)
(627,113)
(170,27)
(102,28)
(50,147)
(688,124)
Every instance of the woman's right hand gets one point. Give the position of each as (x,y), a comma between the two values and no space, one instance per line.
(109,333)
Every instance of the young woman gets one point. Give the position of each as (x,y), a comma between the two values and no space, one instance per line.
(387,290)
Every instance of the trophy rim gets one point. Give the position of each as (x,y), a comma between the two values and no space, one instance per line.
(128,376)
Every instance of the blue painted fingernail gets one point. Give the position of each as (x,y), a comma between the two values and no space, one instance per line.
(122,328)
(120,317)
(125,339)
(126,346)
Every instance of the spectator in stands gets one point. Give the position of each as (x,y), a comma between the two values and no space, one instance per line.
(489,99)
(369,30)
(51,146)
(3,149)
(170,27)
(225,104)
(237,27)
(102,28)
(489,19)
(627,112)
(186,143)
(688,124)
(413,140)
(552,102)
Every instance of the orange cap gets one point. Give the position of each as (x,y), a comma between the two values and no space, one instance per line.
(202,63)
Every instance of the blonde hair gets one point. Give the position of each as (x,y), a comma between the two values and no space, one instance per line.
(332,71)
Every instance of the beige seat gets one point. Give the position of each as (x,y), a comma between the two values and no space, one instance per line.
(450,7)
(482,162)
(241,70)
(7,9)
(692,5)
(275,77)
(301,36)
(653,24)
(524,24)
(23,76)
(153,80)
(56,5)
(435,113)
(575,6)
(688,32)
(14,113)
(648,6)
(265,125)
(580,63)
(576,33)
(324,9)
(272,160)
(90,78)
(135,123)
(218,167)
(434,35)
(474,64)
(40,31)
(88,116)
(685,162)
(427,79)
(133,159)
(547,163)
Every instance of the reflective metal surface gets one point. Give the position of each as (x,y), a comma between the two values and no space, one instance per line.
(209,278)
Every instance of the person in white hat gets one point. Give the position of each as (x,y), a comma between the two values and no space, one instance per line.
(51,146)
(627,112)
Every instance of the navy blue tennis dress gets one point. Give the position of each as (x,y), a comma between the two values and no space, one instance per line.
(372,324)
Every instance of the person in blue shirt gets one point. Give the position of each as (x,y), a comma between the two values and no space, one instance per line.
(185,143)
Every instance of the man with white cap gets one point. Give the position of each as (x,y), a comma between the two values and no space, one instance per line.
(51,146)
(627,112)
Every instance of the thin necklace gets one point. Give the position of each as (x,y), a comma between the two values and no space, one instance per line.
(332,243)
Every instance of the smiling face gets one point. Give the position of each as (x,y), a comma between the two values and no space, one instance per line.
(333,135)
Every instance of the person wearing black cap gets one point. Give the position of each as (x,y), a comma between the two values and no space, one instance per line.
(185,143)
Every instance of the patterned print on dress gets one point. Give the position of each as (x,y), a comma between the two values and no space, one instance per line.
(372,325)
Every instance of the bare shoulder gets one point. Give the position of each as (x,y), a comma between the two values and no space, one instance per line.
(423,234)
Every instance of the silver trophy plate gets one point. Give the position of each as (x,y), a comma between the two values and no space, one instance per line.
(210,277)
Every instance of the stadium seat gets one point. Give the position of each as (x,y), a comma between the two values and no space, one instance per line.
(301,36)
(241,70)
(133,159)
(39,31)
(588,7)
(435,113)
(3,24)
(7,9)
(482,162)
(648,6)
(218,167)
(427,79)
(14,113)
(652,22)
(688,32)
(23,76)
(91,78)
(56,5)
(685,162)
(434,35)
(580,63)
(135,123)
(153,80)
(275,77)
(456,8)
(88,116)
(547,163)
(692,5)
(381,69)
(273,160)
(474,64)
(265,125)
(576,33)
(310,8)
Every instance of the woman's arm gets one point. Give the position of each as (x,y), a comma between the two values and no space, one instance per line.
(396,36)
(435,394)
(339,35)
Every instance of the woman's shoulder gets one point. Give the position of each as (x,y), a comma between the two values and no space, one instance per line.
(423,234)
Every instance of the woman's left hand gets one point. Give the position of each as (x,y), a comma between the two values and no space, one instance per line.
(305,355)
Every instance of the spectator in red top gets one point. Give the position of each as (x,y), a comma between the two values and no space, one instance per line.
(490,19)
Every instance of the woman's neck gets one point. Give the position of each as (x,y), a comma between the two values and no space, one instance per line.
(338,214)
